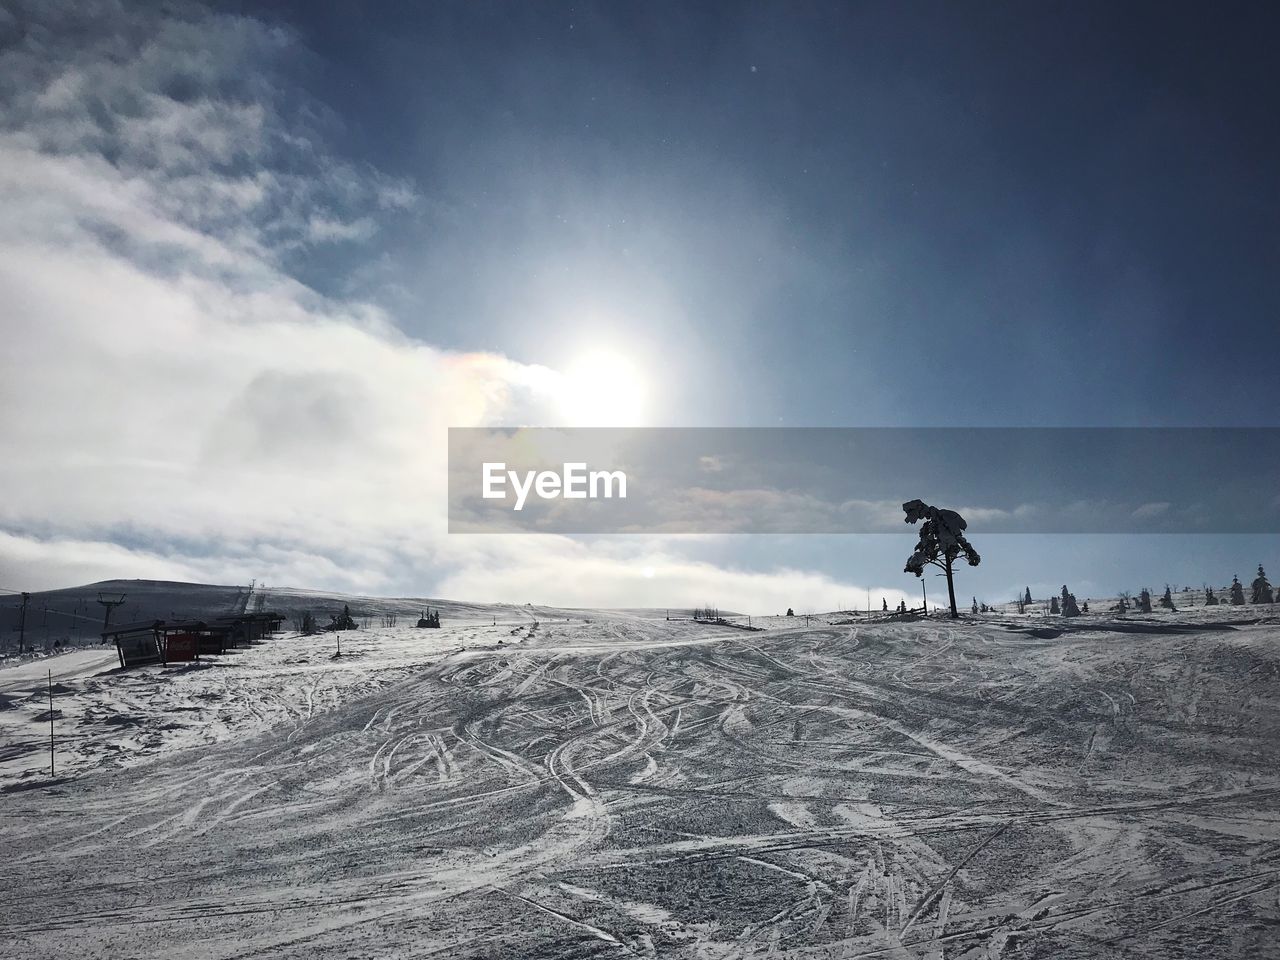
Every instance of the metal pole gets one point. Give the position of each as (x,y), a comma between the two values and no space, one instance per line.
(107,607)
(22,622)
(51,723)
(925,592)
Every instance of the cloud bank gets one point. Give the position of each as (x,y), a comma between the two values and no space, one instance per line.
(179,405)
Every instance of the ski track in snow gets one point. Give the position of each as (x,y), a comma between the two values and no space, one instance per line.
(631,787)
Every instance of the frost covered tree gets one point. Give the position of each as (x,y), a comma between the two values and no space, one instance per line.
(1069,608)
(1237,592)
(1210,598)
(344,620)
(1053,605)
(974,609)
(1144,601)
(1262,588)
(1026,598)
(942,543)
(1167,600)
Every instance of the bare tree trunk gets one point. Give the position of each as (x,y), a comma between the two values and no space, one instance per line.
(951,590)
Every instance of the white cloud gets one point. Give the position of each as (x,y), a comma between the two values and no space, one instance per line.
(621,572)
(178,405)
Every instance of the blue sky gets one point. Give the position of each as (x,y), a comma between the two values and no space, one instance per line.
(258,258)
(1075,204)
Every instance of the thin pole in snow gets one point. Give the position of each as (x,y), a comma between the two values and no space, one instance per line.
(22,622)
(51,723)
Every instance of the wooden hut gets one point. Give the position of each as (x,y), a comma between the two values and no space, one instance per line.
(136,643)
(246,628)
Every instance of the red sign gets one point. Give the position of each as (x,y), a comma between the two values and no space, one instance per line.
(180,646)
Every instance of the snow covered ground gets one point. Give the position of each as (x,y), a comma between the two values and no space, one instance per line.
(609,785)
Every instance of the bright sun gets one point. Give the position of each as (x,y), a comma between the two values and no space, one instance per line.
(603,389)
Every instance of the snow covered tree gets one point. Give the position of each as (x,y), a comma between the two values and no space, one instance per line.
(1027,596)
(1210,598)
(343,620)
(1237,592)
(1144,601)
(1123,605)
(974,609)
(1069,608)
(1262,588)
(1053,605)
(1085,608)
(942,543)
(1167,600)
(790,612)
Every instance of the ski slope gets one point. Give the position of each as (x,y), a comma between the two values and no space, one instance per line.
(633,787)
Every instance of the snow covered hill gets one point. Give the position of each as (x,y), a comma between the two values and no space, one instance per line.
(73,616)
(608,785)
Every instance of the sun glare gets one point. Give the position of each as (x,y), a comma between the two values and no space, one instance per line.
(603,389)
